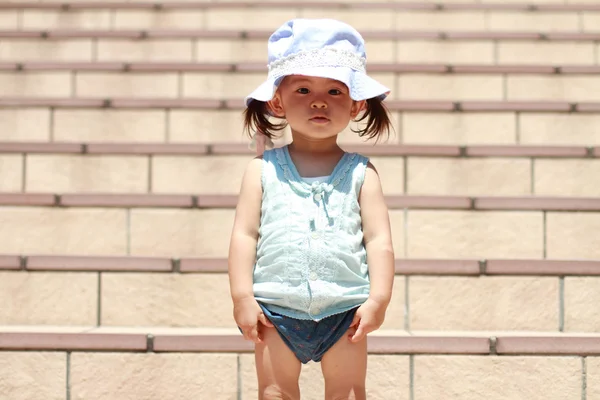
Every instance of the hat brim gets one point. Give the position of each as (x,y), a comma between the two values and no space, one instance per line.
(361,86)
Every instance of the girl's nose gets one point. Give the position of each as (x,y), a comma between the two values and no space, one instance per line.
(318,104)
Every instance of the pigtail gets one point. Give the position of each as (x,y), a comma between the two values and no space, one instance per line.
(257,119)
(378,120)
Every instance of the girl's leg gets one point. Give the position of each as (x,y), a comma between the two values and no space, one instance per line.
(344,368)
(277,368)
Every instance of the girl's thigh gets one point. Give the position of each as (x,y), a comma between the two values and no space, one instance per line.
(277,368)
(344,369)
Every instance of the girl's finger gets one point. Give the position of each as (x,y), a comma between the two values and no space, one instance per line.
(264,320)
(359,335)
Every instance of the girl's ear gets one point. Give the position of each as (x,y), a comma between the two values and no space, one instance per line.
(276,106)
(357,107)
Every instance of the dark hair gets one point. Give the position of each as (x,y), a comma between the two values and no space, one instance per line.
(257,114)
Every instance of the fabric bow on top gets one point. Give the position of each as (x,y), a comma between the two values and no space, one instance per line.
(320,189)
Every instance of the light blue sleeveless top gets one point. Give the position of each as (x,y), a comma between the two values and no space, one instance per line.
(311,260)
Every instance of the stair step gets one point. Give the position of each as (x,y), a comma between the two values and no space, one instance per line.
(439,267)
(181,340)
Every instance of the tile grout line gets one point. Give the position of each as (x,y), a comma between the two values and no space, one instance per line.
(150,171)
(128,231)
(411,377)
(168,125)
(52,120)
(561,304)
(68,378)
(532,177)
(239,378)
(518,116)
(544,235)
(20,18)
(400,122)
(407,304)
(99,302)
(583,378)
(24,173)
(74,84)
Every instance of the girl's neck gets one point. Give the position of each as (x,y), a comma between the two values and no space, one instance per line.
(325,146)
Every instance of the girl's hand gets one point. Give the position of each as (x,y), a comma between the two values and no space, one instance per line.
(247,314)
(367,319)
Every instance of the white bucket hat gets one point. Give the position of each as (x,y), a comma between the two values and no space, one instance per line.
(323,48)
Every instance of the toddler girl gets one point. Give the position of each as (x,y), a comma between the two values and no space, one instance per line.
(311,263)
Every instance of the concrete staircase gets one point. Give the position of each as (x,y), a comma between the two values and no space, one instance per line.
(121,155)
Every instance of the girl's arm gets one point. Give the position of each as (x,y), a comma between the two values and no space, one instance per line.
(244,236)
(377,237)
(380,256)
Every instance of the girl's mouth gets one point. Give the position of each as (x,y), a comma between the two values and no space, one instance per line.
(320,120)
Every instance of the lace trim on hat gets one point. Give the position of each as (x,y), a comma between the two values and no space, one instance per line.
(324,57)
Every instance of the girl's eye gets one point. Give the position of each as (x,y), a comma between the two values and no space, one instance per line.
(303,90)
(335,92)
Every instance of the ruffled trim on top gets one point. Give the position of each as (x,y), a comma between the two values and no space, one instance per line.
(304,188)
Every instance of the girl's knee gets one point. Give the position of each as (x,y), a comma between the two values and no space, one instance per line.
(356,392)
(274,392)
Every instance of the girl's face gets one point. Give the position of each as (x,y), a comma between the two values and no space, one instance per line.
(317,108)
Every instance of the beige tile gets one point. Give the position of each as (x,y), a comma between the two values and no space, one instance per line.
(45,50)
(220,85)
(380,51)
(391,173)
(573,235)
(395,314)
(96,376)
(469,176)
(582,295)
(364,19)
(50,19)
(458,128)
(110,126)
(89,231)
(43,84)
(397,222)
(207,174)
(87,173)
(119,85)
(591,21)
(420,51)
(136,299)
(33,375)
(206,126)
(467,234)
(25,125)
(567,177)
(593,377)
(230,50)
(387,378)
(469,377)
(551,129)
(533,22)
(243,18)
(147,50)
(571,88)
(9,20)
(440,21)
(11,170)
(452,88)
(483,303)
(545,53)
(347,136)
(163,19)
(181,233)
(48,298)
